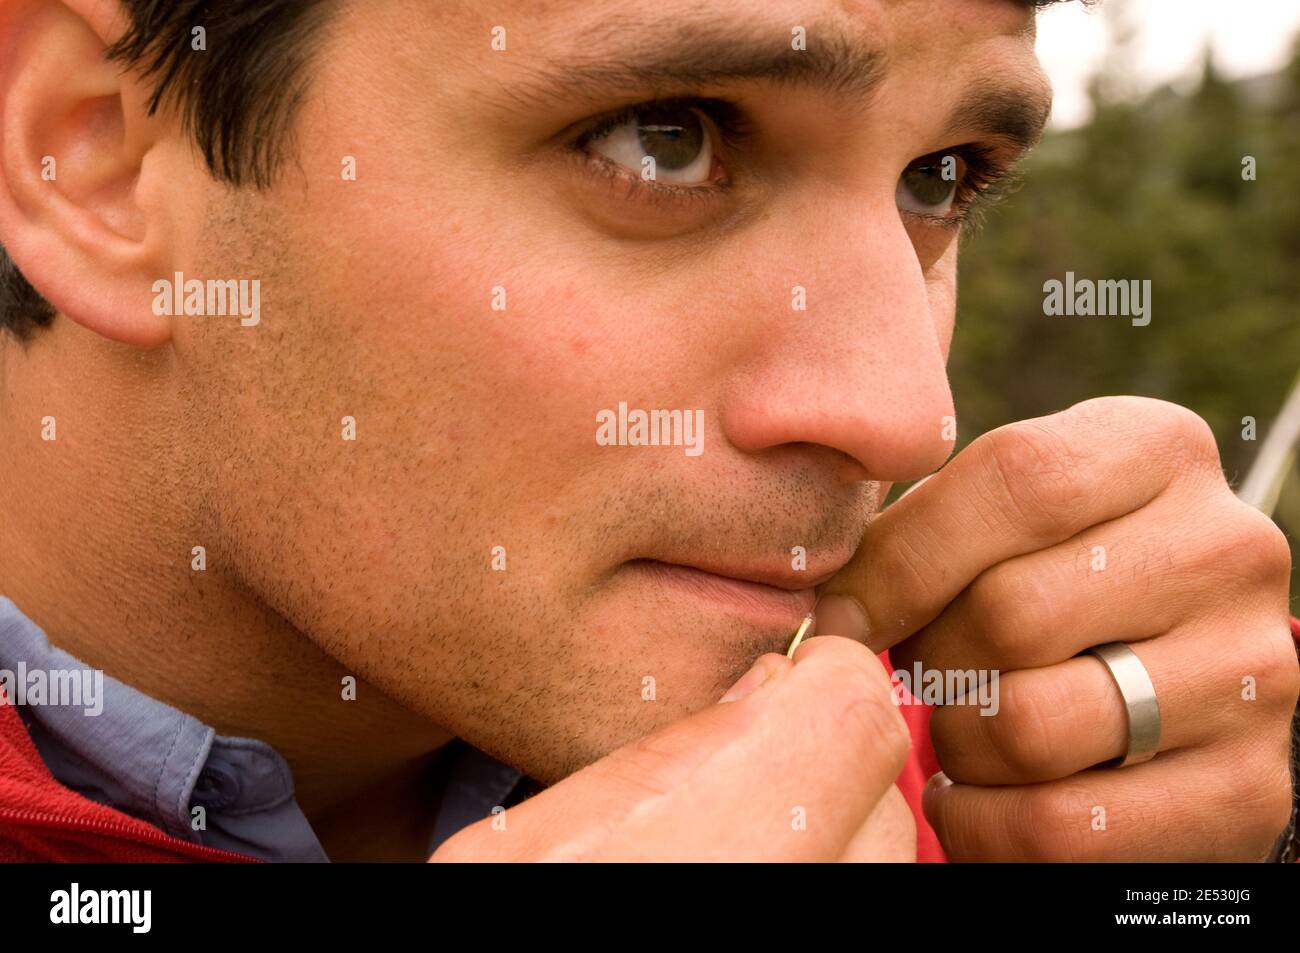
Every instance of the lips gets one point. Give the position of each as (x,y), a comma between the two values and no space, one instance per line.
(766,598)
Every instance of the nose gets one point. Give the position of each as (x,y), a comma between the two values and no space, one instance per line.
(862,369)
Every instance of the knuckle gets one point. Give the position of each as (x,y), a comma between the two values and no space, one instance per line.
(1032,467)
(1165,423)
(1249,547)
(1058,820)
(1267,544)
(1020,735)
(1272,661)
(1159,428)
(854,692)
(1262,797)
(1288,671)
(1192,435)
(1009,611)
(1117,412)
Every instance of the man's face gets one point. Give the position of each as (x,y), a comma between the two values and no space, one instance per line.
(489,177)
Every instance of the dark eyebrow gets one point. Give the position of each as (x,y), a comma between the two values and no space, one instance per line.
(702,54)
(1017,114)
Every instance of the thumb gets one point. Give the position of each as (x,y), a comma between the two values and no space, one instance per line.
(767,667)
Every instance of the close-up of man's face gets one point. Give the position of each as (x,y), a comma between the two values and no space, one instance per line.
(392,375)
(500,272)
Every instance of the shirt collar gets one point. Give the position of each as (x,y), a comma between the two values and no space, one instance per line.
(157,763)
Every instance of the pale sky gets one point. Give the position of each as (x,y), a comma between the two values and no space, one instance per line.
(1248,37)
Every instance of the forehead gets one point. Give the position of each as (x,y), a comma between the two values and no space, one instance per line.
(971,60)
(845,46)
(902,24)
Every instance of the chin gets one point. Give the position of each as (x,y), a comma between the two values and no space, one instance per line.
(682,650)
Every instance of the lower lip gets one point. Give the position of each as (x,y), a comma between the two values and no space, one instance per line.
(760,603)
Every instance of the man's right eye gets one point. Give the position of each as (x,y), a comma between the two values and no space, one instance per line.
(674,143)
(676,140)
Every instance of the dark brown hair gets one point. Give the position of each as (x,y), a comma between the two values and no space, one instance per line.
(237,95)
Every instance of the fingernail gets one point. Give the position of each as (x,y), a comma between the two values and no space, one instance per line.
(937,782)
(747,685)
(842,615)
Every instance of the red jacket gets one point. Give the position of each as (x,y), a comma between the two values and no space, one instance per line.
(41,820)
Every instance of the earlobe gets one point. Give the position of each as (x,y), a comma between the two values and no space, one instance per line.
(75,140)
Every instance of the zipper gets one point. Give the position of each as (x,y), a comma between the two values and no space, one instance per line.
(125,831)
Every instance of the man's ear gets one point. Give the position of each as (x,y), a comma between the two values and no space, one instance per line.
(74,139)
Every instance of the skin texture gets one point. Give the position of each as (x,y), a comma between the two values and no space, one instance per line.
(372,558)
(1071,546)
(740,781)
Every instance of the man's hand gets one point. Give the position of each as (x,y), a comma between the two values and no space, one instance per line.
(1109,522)
(801,768)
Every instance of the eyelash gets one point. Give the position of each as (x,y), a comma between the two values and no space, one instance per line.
(733,129)
(731,122)
(987,180)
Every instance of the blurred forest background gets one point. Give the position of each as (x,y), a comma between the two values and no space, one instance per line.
(1151,188)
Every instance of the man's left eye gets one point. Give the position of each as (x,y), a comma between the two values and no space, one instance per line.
(667,142)
(929,187)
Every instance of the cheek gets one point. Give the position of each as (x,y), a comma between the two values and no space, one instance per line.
(477,367)
(503,333)
(502,364)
